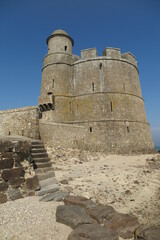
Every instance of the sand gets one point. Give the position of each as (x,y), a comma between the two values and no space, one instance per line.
(125,182)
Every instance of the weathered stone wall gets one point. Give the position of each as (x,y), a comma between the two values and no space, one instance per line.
(17,177)
(115,137)
(20,121)
(108,106)
(65,135)
(121,137)
(108,75)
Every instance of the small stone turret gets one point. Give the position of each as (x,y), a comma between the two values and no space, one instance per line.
(56,77)
(60,42)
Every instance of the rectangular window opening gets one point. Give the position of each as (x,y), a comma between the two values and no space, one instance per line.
(90,129)
(93,86)
(52,83)
(65,48)
(111,105)
(128,129)
(100,66)
(53,102)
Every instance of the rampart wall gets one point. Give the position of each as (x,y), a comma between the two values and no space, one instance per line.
(65,135)
(20,121)
(118,137)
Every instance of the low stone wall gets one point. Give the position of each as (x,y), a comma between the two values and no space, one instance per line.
(64,135)
(20,121)
(118,137)
(17,177)
(113,137)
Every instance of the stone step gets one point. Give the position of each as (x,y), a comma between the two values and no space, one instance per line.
(37,146)
(47,182)
(48,189)
(37,142)
(41,160)
(38,150)
(42,165)
(56,196)
(43,176)
(39,155)
(43,170)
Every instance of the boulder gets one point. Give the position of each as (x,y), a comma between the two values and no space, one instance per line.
(72,216)
(92,232)
(124,224)
(100,213)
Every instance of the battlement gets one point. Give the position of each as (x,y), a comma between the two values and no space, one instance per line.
(113,53)
(108,53)
(88,53)
(129,57)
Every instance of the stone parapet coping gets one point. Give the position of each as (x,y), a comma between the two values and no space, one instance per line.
(18,109)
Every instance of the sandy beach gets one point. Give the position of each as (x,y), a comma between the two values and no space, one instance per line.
(130,184)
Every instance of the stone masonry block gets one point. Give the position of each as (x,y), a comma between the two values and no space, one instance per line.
(3,198)
(16,182)
(6,163)
(14,194)
(3,186)
(12,173)
(32,183)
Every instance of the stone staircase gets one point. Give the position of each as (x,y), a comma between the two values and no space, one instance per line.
(44,170)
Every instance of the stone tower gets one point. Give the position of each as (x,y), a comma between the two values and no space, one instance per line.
(93,103)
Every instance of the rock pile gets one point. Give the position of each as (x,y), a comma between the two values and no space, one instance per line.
(17,176)
(94,221)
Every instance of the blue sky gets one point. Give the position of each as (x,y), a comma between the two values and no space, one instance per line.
(132,25)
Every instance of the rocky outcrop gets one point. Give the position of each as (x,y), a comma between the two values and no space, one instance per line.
(17,176)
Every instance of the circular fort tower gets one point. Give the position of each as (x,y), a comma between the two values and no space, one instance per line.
(95,101)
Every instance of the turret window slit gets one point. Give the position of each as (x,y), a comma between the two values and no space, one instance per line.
(93,86)
(111,105)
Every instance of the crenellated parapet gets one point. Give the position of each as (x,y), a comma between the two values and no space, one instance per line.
(112,53)
(109,53)
(88,53)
